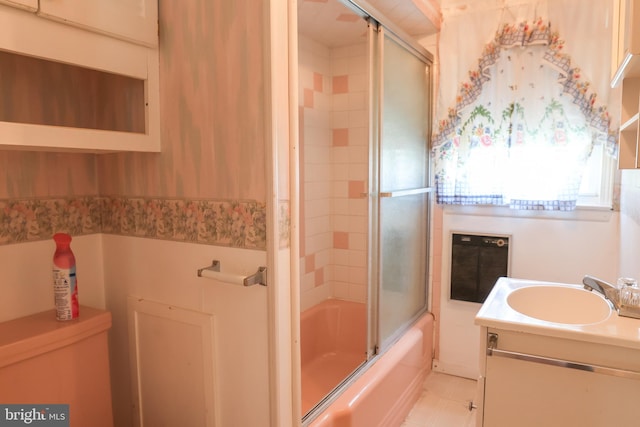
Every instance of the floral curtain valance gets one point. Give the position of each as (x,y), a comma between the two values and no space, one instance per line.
(522,126)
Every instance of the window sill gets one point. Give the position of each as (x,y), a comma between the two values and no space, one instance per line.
(581,213)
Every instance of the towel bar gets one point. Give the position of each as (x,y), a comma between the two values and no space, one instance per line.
(213,272)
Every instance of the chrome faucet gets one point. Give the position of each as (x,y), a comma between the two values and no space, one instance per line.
(609,291)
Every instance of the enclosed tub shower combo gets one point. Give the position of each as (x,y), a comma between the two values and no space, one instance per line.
(364,99)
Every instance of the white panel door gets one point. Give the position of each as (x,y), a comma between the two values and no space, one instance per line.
(172,365)
(133,20)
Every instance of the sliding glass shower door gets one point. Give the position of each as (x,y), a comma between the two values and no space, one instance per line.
(364,98)
(403,187)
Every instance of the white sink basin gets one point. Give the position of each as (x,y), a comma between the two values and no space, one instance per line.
(560,304)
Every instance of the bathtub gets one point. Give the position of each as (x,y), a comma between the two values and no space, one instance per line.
(384,394)
(333,344)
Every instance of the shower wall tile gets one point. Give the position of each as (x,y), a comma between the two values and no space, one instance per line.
(357,258)
(358,82)
(340,102)
(340,173)
(334,178)
(356,188)
(308,98)
(339,191)
(318,207)
(339,66)
(318,242)
(340,155)
(318,225)
(340,137)
(359,136)
(358,101)
(358,118)
(358,242)
(340,119)
(340,240)
(358,155)
(359,171)
(309,263)
(357,63)
(323,259)
(340,272)
(318,82)
(358,275)
(358,208)
(340,84)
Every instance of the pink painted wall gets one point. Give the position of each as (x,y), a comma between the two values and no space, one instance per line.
(212,108)
(37,174)
(212,91)
(212,130)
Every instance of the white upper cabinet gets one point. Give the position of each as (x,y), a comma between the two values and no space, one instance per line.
(132,20)
(625,72)
(67,88)
(626,40)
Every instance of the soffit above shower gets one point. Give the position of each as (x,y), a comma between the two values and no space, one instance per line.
(331,24)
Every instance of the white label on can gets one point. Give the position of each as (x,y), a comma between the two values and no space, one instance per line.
(64,283)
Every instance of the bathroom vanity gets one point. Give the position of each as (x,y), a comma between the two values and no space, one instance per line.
(556,354)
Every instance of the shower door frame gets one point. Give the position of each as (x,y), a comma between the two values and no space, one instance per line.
(377,344)
(379,27)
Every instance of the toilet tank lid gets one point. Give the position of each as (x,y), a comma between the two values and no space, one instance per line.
(40,333)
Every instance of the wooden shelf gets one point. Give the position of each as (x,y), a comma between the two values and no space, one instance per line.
(630,125)
(630,67)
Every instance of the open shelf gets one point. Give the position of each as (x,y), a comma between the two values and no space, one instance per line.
(631,124)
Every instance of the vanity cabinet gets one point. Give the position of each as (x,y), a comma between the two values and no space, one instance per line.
(66,88)
(625,69)
(535,380)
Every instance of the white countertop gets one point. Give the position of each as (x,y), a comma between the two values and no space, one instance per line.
(496,313)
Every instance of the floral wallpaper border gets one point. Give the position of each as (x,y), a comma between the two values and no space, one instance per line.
(233,223)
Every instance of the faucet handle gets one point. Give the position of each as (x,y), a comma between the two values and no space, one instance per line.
(590,283)
(608,290)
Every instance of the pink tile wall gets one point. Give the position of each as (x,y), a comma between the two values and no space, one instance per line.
(334,170)
(350,171)
(315,172)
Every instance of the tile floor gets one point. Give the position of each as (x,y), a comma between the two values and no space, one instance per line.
(444,403)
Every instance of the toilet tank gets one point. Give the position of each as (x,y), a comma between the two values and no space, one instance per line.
(45,361)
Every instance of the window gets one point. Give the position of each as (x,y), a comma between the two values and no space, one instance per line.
(526,130)
(596,188)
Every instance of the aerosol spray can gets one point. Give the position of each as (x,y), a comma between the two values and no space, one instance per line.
(65,283)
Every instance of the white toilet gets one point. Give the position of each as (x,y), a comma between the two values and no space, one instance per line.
(45,361)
